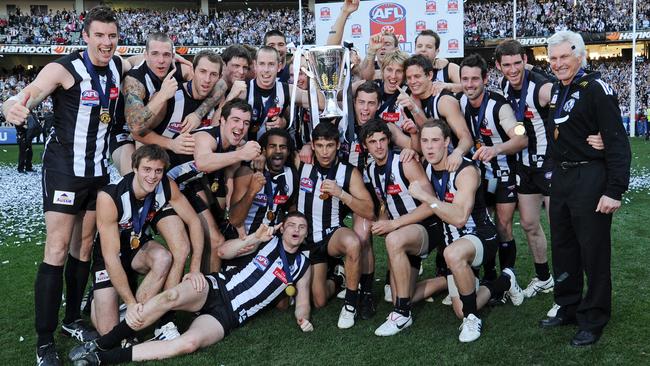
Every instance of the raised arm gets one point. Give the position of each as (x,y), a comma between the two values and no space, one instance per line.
(336,33)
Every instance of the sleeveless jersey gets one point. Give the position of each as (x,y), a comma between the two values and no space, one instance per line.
(282,192)
(324,215)
(78,142)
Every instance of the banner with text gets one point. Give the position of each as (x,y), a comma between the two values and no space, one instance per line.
(405,18)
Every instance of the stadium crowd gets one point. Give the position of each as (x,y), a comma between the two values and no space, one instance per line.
(185,27)
(493,19)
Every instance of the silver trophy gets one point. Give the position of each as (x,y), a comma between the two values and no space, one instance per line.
(327,67)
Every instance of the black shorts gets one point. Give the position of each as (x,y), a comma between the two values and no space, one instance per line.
(434,233)
(118,138)
(505,191)
(534,180)
(166,211)
(101,279)
(318,251)
(191,192)
(69,194)
(216,306)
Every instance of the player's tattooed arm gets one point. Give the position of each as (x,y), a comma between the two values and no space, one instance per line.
(136,113)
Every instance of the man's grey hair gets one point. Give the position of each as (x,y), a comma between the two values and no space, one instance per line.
(574,39)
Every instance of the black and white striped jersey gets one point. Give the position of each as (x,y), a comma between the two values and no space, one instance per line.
(253,286)
(324,215)
(354,153)
(185,170)
(442,75)
(394,192)
(266,103)
(430,105)
(78,142)
(276,197)
(534,116)
(479,222)
(122,194)
(490,133)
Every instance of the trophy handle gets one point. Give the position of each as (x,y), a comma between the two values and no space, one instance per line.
(307,72)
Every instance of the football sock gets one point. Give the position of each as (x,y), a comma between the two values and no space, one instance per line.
(115,356)
(351,297)
(469,304)
(366,282)
(76,278)
(47,301)
(507,254)
(541,269)
(113,338)
(403,306)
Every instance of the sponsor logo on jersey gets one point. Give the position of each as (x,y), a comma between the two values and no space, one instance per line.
(568,106)
(114,93)
(261,262)
(431,7)
(394,189)
(279,273)
(175,127)
(529,114)
(280,199)
(486,131)
(390,116)
(90,98)
(449,197)
(63,198)
(273,112)
(306,185)
(260,199)
(101,276)
(389,17)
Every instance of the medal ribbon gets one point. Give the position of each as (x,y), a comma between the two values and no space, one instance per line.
(285,262)
(390,102)
(266,106)
(387,174)
(139,219)
(519,107)
(481,114)
(440,185)
(268,191)
(565,92)
(94,77)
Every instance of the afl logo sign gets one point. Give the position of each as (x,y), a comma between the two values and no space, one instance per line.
(356,30)
(387,13)
(452,6)
(325,13)
(431,7)
(420,25)
(389,17)
(452,46)
(441,26)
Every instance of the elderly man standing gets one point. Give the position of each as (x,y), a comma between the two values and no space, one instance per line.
(586,188)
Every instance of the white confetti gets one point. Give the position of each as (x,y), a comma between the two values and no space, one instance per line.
(21,339)
(5,262)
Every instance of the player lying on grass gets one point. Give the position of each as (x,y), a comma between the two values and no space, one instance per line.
(224,300)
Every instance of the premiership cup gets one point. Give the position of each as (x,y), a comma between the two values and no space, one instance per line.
(327,67)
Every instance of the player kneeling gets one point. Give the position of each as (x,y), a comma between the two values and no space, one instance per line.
(470,234)
(275,266)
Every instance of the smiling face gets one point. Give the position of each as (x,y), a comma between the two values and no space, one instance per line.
(365,106)
(147,176)
(159,57)
(235,127)
(279,43)
(418,81)
(564,62)
(294,231)
(277,152)
(512,67)
(236,69)
(101,39)
(393,76)
(472,82)
(266,69)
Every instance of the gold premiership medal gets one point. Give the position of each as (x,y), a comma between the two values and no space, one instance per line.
(214,187)
(556,133)
(135,241)
(478,144)
(104,116)
(290,290)
(270,215)
(520,130)
(382,209)
(324,196)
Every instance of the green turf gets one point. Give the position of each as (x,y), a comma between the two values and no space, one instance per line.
(510,335)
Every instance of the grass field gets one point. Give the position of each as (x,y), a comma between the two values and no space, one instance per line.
(510,335)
